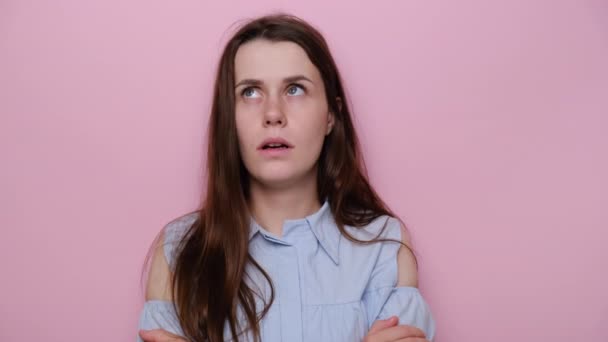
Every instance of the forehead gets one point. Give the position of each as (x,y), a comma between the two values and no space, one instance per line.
(266,60)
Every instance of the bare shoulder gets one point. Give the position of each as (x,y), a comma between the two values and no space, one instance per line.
(158,286)
(406,262)
(163,257)
(390,227)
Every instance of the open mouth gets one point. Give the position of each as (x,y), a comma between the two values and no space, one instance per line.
(274,147)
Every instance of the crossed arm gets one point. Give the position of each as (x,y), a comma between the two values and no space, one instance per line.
(383,330)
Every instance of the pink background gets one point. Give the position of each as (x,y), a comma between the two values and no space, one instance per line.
(484,126)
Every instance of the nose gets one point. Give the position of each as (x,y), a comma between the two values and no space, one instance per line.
(273,113)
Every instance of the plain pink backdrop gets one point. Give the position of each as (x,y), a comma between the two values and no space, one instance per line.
(484,125)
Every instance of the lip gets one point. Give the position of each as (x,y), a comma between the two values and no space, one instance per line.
(275,152)
(275,140)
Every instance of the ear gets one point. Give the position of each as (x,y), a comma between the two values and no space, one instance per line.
(330,122)
(331,118)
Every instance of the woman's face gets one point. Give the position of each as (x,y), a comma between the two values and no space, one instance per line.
(279,94)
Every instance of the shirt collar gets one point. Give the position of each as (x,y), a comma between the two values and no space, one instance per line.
(323,227)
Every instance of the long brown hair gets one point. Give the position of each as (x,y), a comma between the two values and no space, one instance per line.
(208,281)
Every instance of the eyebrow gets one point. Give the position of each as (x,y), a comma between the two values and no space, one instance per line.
(290,79)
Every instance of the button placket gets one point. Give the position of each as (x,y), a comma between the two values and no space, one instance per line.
(291,296)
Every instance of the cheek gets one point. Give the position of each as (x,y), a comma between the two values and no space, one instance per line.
(244,117)
(312,134)
(315,121)
(311,111)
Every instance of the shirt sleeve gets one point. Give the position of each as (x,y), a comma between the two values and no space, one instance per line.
(404,302)
(159,314)
(383,298)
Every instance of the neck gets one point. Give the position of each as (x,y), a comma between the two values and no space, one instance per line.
(271,206)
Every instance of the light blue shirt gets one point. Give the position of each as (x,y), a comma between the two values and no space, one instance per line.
(327,288)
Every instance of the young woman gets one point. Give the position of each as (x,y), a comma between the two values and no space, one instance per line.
(291,242)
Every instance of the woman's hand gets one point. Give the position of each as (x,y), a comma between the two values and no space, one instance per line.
(159,335)
(387,330)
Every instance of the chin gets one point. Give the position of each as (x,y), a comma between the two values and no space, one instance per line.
(276,181)
(276,178)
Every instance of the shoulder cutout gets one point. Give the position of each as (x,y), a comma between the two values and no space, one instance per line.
(158,286)
(406,263)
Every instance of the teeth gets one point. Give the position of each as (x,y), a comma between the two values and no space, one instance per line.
(275,145)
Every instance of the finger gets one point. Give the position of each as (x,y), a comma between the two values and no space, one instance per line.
(157,335)
(145,336)
(399,332)
(150,335)
(382,324)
